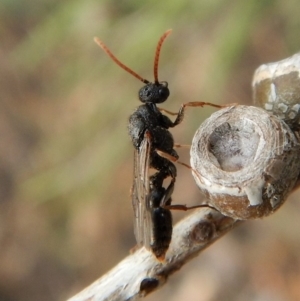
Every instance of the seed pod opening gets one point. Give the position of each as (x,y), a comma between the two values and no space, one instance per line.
(245,160)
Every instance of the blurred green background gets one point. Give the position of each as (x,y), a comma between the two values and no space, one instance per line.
(66,160)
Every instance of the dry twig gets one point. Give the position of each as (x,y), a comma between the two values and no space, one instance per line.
(141,273)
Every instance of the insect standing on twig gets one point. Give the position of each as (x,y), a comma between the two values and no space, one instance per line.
(153,144)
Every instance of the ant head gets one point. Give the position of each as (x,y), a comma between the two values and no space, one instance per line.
(156,92)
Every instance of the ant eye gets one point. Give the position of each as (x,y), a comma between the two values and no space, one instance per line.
(164,92)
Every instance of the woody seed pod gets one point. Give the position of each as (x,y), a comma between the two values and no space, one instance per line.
(276,88)
(245,160)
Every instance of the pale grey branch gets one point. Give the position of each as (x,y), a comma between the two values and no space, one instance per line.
(141,273)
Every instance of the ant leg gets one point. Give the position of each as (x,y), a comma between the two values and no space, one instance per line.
(166,201)
(156,180)
(175,160)
(178,145)
(172,158)
(180,114)
(192,104)
(186,208)
(167,111)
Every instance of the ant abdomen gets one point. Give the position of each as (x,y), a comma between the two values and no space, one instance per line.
(162,231)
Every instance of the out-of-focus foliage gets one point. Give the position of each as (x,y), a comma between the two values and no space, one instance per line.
(66,159)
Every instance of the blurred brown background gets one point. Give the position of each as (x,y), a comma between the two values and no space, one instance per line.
(66,159)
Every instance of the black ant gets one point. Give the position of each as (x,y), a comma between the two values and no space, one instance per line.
(154,148)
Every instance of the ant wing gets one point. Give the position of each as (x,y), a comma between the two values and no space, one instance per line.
(140,193)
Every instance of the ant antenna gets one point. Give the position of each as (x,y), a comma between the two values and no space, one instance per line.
(157,53)
(109,53)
